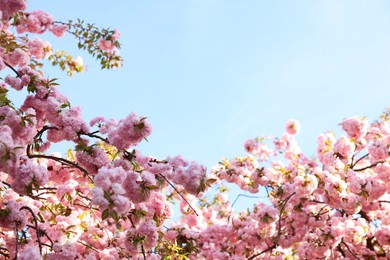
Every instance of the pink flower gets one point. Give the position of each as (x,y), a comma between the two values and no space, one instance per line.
(18,58)
(36,22)
(27,174)
(14,214)
(383,171)
(129,132)
(116,35)
(149,230)
(122,204)
(58,30)
(39,48)
(98,197)
(97,120)
(30,252)
(293,127)
(109,254)
(177,161)
(378,151)
(191,177)
(14,82)
(383,235)
(66,252)
(92,160)
(11,7)
(344,147)
(355,127)
(106,45)
(2,64)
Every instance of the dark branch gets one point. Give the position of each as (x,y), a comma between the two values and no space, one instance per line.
(13,69)
(361,158)
(368,167)
(178,192)
(36,227)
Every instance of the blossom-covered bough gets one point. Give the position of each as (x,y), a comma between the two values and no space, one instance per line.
(106,200)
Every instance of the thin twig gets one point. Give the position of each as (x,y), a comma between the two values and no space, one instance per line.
(178,192)
(243,195)
(93,134)
(349,250)
(17,239)
(262,252)
(368,167)
(361,158)
(58,159)
(89,246)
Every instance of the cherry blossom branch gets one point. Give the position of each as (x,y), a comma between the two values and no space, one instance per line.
(94,135)
(262,252)
(368,167)
(340,250)
(85,206)
(58,159)
(13,69)
(40,194)
(281,212)
(51,157)
(36,227)
(87,245)
(361,158)
(371,246)
(178,192)
(349,250)
(317,201)
(42,232)
(4,253)
(365,216)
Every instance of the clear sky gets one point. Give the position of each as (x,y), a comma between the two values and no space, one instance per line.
(209,74)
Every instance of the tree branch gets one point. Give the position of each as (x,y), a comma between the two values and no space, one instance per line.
(368,167)
(178,192)
(13,69)
(36,227)
(349,250)
(361,158)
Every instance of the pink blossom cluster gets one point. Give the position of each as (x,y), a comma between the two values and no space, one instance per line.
(323,210)
(35,22)
(109,44)
(125,133)
(10,7)
(40,49)
(188,175)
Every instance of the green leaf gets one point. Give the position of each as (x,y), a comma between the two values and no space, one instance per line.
(105,214)
(107,196)
(114,215)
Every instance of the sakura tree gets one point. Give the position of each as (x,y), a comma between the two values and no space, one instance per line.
(104,199)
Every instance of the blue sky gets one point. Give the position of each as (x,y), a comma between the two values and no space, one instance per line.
(209,74)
